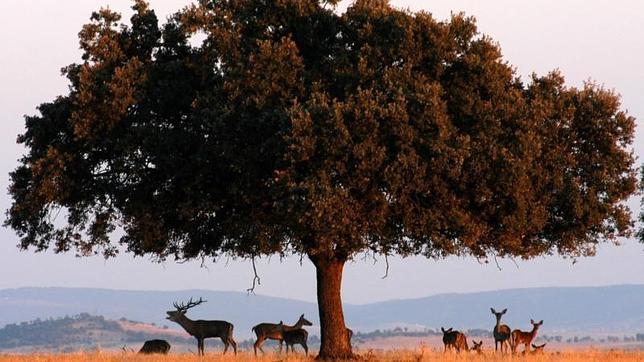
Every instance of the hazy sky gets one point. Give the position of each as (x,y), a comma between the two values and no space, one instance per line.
(600,40)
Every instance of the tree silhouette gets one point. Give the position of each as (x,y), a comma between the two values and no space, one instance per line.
(292,129)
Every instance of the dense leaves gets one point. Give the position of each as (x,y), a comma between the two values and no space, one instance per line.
(293,129)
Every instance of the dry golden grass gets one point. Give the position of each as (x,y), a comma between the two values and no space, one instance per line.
(390,356)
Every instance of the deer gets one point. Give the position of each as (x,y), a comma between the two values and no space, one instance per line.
(155,346)
(501,332)
(454,339)
(477,346)
(296,336)
(520,337)
(202,329)
(537,349)
(265,331)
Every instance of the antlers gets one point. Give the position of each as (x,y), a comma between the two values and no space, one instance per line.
(184,307)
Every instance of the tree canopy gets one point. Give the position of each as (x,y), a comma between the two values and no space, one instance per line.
(294,129)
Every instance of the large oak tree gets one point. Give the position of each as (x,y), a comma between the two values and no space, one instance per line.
(293,129)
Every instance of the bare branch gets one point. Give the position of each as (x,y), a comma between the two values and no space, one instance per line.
(387,268)
(515,262)
(256,280)
(203,263)
(496,262)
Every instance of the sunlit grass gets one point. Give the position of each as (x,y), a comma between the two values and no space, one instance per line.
(396,355)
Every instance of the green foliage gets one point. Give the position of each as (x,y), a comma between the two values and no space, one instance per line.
(294,129)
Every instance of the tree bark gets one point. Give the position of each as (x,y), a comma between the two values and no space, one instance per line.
(335,342)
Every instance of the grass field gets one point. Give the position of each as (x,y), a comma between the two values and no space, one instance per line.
(399,355)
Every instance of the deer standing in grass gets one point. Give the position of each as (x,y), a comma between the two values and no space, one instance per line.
(297,336)
(265,331)
(201,329)
(155,346)
(501,332)
(520,337)
(454,339)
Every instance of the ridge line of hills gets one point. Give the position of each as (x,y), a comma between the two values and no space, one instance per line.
(617,308)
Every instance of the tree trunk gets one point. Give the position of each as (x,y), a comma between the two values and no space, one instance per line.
(335,341)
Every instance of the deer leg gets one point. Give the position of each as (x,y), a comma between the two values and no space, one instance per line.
(224,340)
(233,343)
(281,340)
(258,344)
(306,348)
(255,346)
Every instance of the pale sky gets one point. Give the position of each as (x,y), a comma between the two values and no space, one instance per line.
(599,40)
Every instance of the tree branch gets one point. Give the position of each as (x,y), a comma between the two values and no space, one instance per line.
(256,280)
(496,262)
(387,268)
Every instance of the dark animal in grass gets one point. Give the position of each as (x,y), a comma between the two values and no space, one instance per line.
(501,332)
(201,329)
(477,346)
(155,346)
(454,339)
(296,336)
(274,331)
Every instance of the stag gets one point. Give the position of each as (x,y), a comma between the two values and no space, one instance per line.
(520,337)
(501,332)
(155,346)
(201,329)
(454,339)
(265,331)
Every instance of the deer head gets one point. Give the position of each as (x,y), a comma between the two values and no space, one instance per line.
(536,325)
(498,314)
(303,321)
(181,309)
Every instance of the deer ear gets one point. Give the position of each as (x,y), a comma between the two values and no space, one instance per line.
(533,346)
(442,329)
(505,310)
(531,321)
(540,323)
(492,310)
(302,316)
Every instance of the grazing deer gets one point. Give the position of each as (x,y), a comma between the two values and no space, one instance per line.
(454,339)
(265,331)
(501,332)
(296,336)
(477,346)
(519,337)
(538,349)
(201,329)
(155,346)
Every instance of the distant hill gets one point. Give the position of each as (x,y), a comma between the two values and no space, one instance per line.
(587,309)
(82,332)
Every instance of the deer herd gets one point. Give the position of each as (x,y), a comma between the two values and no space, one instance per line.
(505,339)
